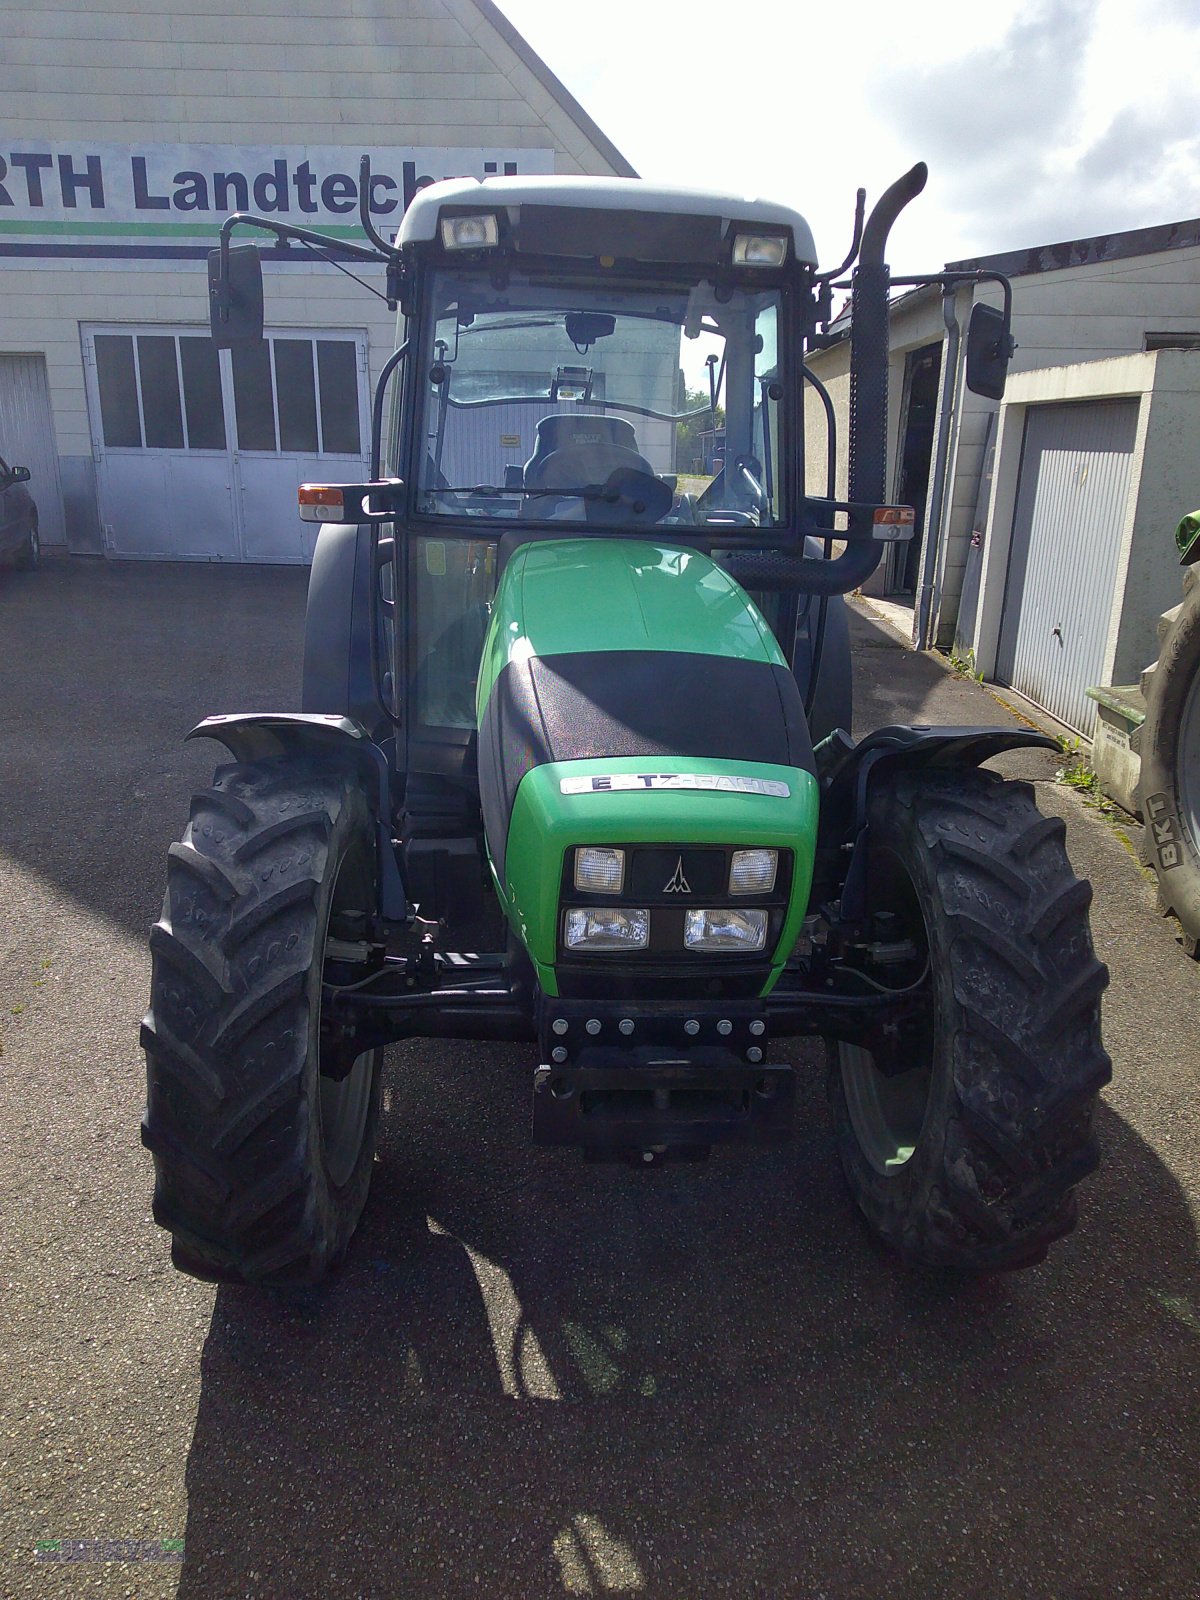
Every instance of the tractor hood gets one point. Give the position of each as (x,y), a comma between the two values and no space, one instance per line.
(571,596)
(616,675)
(608,648)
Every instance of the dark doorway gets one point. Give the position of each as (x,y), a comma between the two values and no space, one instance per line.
(922,372)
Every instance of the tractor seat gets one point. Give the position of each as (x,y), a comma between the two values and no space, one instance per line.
(571,451)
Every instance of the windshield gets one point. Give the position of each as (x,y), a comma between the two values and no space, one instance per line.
(610,406)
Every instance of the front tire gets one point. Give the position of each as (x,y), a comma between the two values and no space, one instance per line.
(262,1158)
(970,1158)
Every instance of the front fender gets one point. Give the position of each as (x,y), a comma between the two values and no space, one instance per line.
(261,735)
(846,770)
(258,735)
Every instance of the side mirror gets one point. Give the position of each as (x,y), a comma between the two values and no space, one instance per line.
(235,303)
(989,349)
(14,475)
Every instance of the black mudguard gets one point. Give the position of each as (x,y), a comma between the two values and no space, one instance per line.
(259,736)
(846,771)
(340,661)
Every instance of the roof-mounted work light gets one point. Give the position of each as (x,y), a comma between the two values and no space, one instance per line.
(759,249)
(478,232)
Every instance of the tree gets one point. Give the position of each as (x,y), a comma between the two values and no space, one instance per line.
(689,455)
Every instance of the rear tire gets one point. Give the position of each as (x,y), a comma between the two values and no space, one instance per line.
(30,557)
(970,1159)
(262,1161)
(1169,787)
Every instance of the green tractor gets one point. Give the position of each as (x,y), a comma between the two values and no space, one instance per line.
(573,763)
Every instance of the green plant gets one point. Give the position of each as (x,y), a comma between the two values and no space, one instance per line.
(963,666)
(1077,774)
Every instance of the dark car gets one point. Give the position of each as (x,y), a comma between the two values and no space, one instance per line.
(18,518)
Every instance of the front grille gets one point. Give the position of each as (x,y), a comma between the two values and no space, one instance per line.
(670,880)
(698,876)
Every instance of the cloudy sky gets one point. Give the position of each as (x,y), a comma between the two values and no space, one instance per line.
(1041,120)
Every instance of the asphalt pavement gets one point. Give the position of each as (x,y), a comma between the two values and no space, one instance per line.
(536,1377)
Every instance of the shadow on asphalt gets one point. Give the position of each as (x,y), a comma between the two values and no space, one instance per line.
(535,1377)
(106,666)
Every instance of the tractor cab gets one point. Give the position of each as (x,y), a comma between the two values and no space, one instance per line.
(574,377)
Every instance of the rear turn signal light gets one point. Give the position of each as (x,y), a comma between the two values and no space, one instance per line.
(321,502)
(894,523)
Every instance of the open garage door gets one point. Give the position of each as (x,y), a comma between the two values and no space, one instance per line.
(199,452)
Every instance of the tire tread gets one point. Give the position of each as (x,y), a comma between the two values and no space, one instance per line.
(226,1037)
(1021,1028)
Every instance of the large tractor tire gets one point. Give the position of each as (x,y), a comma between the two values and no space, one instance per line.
(30,556)
(1169,788)
(262,1158)
(969,1159)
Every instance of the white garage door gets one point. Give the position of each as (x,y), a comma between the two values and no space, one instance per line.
(199,452)
(1071,508)
(27,437)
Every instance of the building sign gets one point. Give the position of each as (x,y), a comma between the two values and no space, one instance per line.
(85,197)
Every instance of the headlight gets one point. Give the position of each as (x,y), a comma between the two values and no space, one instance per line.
(757,250)
(753,871)
(725,930)
(480,232)
(606,928)
(599,870)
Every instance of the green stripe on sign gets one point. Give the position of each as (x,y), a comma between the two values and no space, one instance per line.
(139,230)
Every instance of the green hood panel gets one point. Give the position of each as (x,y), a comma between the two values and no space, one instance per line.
(546,822)
(566,596)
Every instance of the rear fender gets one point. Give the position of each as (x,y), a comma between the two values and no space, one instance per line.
(846,772)
(339,741)
(341,659)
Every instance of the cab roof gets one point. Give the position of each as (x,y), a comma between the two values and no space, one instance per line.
(420,221)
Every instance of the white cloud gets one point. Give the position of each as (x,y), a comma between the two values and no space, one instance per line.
(1041,121)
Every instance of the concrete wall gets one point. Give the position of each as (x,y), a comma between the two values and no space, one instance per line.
(1164,483)
(395,73)
(922,325)
(1081,313)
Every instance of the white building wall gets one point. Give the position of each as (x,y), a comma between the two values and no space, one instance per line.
(1077,313)
(1080,313)
(1164,484)
(354,74)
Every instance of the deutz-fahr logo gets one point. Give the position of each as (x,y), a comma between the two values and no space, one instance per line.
(677,884)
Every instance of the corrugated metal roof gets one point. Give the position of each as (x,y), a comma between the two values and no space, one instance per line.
(1083,252)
